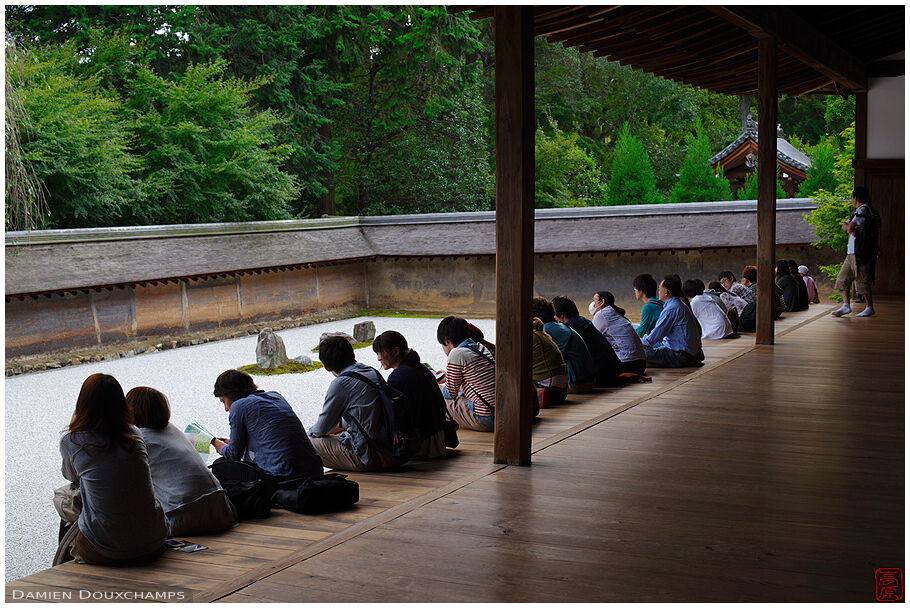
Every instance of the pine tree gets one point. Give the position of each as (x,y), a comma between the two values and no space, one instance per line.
(820,175)
(697,181)
(749,191)
(632,179)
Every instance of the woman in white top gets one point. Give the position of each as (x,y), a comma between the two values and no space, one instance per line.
(192,498)
(611,321)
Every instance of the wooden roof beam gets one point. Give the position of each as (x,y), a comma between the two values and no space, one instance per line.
(798,38)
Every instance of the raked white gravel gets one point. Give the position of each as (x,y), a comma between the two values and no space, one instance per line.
(39,406)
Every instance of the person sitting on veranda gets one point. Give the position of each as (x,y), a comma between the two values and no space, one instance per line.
(729,299)
(104,454)
(788,286)
(470,378)
(476,334)
(610,320)
(750,280)
(192,498)
(426,411)
(730,311)
(728,280)
(811,289)
(548,368)
(645,288)
(606,359)
(582,370)
(800,284)
(711,317)
(265,431)
(353,432)
(675,340)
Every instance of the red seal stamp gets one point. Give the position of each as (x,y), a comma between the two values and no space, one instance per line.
(889,585)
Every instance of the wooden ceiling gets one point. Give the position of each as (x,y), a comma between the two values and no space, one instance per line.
(822,49)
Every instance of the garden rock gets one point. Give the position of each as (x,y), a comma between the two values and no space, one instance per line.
(270,351)
(364,331)
(303,360)
(330,334)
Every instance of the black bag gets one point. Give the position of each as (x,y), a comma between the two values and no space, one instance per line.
(247,486)
(327,494)
(451,430)
(747,319)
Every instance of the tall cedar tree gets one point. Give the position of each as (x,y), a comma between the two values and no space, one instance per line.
(631,177)
(697,181)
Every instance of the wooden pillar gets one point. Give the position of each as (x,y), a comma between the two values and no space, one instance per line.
(514,54)
(861,148)
(767,178)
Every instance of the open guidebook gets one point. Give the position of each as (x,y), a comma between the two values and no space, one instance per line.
(199,437)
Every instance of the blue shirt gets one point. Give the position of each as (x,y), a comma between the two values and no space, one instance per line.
(574,350)
(351,402)
(267,432)
(676,329)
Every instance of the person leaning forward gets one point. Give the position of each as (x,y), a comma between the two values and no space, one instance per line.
(470,380)
(352,428)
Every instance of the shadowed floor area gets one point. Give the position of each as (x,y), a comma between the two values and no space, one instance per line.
(771,474)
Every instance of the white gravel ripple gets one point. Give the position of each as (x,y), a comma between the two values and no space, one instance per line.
(39,406)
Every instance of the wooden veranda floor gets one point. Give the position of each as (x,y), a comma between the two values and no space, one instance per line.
(769,474)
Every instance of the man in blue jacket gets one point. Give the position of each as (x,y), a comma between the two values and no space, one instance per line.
(675,340)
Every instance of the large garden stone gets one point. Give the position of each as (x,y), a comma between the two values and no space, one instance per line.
(270,351)
(364,331)
(332,334)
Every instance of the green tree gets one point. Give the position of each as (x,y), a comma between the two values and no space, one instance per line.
(631,177)
(206,156)
(564,174)
(834,208)
(820,175)
(75,138)
(749,191)
(697,180)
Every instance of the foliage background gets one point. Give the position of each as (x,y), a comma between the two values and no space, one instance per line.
(171,114)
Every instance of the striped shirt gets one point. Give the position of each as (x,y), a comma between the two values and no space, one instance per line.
(474,375)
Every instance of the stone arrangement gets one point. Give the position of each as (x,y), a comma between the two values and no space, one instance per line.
(270,350)
(364,331)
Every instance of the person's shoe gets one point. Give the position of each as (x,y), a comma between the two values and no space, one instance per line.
(859,298)
(843,310)
(866,313)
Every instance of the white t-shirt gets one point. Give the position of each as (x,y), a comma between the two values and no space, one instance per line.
(714,322)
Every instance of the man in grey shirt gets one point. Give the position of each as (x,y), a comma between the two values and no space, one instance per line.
(352,427)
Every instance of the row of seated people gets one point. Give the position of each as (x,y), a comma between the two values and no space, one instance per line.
(142,481)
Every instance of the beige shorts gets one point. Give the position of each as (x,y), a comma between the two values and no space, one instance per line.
(460,410)
(851,272)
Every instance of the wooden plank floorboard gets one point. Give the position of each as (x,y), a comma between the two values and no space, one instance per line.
(614,493)
(786,497)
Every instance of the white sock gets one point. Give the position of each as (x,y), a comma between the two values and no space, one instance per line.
(868,312)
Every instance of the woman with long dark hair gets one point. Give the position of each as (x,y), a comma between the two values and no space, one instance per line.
(192,499)
(427,407)
(121,521)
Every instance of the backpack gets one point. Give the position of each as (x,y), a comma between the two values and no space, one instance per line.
(393,403)
(866,245)
(327,494)
(247,486)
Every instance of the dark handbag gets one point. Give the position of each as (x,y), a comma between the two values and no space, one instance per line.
(247,487)
(327,494)
(451,431)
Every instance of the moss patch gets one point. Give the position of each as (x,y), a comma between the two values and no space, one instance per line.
(356,345)
(291,367)
(394,313)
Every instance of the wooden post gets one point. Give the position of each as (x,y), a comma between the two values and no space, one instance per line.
(767,178)
(514,53)
(861,146)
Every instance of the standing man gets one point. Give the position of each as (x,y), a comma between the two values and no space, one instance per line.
(862,250)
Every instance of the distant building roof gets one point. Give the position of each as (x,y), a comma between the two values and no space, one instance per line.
(786,153)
